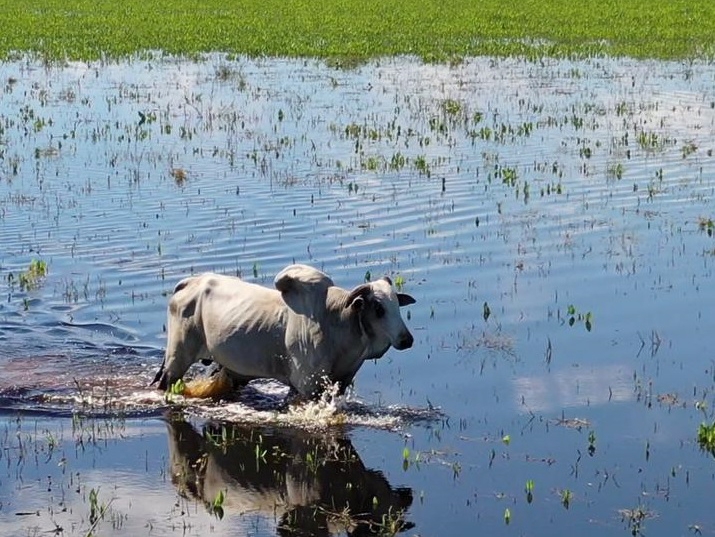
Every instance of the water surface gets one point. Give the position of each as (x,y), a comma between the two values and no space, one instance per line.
(510,196)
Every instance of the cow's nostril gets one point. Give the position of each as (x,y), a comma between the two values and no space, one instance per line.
(405,342)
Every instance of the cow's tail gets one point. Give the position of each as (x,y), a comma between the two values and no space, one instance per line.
(215,386)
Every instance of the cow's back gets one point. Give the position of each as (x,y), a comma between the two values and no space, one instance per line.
(243,325)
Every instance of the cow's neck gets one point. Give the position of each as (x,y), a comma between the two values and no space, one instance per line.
(334,335)
(351,342)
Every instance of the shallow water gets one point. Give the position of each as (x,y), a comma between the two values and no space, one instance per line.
(543,191)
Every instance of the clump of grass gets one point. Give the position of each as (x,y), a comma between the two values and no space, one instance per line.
(400,282)
(32,277)
(688,149)
(616,170)
(706,437)
(707,225)
(217,506)
(452,107)
(177,388)
(576,315)
(422,165)
(636,518)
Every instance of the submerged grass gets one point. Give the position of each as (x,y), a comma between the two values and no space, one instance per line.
(354,29)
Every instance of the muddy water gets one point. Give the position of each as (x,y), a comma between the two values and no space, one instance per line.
(550,218)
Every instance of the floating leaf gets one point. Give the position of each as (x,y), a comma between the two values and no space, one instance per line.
(589,321)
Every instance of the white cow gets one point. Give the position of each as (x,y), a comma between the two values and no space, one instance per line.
(302,334)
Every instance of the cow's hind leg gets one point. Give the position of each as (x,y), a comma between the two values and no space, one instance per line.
(221,383)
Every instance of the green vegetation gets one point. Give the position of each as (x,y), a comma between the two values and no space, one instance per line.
(707,225)
(177,388)
(706,437)
(529,489)
(32,277)
(576,315)
(354,30)
(217,506)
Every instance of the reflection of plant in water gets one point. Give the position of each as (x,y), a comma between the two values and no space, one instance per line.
(591,443)
(615,170)
(635,518)
(688,149)
(529,489)
(392,523)
(313,461)
(97,511)
(706,224)
(217,506)
(575,315)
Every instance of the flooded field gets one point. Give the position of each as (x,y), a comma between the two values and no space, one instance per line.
(553,219)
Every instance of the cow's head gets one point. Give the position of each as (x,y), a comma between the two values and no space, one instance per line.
(378,307)
(185,341)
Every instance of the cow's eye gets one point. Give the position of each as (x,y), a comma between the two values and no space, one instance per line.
(379,310)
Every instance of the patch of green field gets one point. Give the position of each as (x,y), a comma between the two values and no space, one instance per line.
(358,29)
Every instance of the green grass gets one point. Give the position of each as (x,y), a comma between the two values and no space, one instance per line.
(706,437)
(353,30)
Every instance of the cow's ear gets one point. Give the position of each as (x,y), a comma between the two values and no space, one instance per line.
(358,304)
(404,299)
(284,283)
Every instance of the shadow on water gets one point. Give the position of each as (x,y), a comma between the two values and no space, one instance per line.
(312,484)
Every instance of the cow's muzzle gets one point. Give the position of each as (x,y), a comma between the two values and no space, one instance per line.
(405,342)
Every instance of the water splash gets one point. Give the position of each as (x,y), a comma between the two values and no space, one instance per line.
(125,392)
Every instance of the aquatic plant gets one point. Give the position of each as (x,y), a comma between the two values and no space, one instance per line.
(707,225)
(529,489)
(177,388)
(635,518)
(30,278)
(591,443)
(706,437)
(217,505)
(575,315)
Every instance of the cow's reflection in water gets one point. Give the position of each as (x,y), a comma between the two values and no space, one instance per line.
(312,484)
